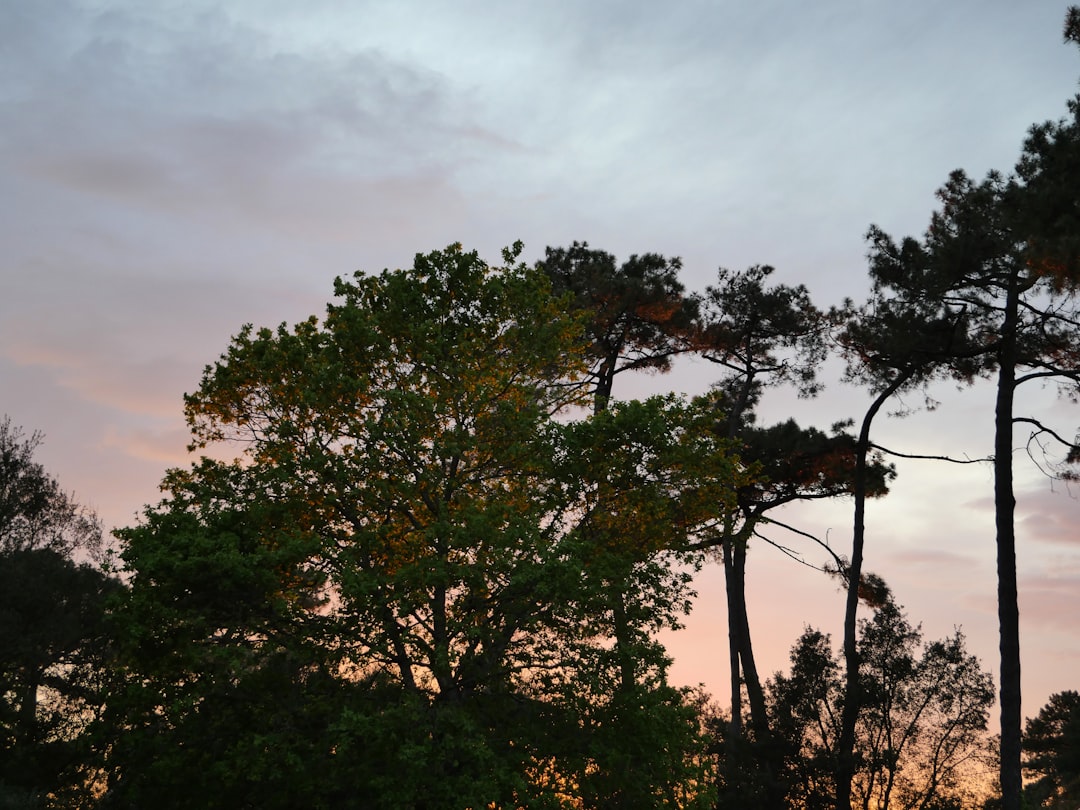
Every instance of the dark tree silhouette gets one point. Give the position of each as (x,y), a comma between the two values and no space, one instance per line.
(763,336)
(1052,752)
(995,278)
(922,732)
(52,607)
(638,312)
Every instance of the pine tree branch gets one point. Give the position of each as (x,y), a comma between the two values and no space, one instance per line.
(1044,429)
(951,460)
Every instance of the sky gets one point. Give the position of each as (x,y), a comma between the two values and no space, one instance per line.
(174,169)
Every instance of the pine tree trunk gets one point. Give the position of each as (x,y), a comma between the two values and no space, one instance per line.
(759,718)
(845,748)
(734,644)
(1008,604)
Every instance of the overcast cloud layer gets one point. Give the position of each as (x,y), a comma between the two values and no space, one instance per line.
(172,170)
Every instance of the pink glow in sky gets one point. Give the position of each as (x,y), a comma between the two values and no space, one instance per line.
(172,170)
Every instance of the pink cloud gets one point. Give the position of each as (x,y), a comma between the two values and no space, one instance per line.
(167,445)
(1050,514)
(932,558)
(148,387)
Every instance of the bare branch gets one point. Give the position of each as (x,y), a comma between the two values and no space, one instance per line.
(1051,371)
(951,460)
(1044,429)
(790,552)
(840,562)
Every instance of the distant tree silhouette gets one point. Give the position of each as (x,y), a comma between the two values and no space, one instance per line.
(921,736)
(52,639)
(1052,752)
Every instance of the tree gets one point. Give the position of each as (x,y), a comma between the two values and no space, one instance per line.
(420,542)
(637,319)
(51,623)
(1000,265)
(642,490)
(1052,752)
(638,314)
(762,336)
(743,329)
(35,513)
(921,733)
(893,343)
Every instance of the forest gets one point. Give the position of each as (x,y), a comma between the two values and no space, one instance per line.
(425,549)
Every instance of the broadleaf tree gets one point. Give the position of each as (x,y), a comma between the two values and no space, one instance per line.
(921,738)
(419,539)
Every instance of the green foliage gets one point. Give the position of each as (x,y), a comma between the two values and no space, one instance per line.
(421,585)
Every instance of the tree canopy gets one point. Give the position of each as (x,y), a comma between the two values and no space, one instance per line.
(419,540)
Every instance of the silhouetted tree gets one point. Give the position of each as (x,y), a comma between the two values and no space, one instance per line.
(35,513)
(52,642)
(921,732)
(892,344)
(637,312)
(999,264)
(763,336)
(1052,752)
(758,336)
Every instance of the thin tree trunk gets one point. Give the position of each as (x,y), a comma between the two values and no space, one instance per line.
(1008,604)
(759,718)
(735,584)
(734,644)
(775,789)
(845,748)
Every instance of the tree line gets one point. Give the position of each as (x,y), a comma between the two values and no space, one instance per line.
(426,562)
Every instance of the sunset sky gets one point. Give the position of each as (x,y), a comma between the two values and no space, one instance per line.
(173,169)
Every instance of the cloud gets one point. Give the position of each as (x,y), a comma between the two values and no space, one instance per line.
(1051,599)
(173,170)
(167,446)
(1050,513)
(933,559)
(135,342)
(133,388)
(200,116)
